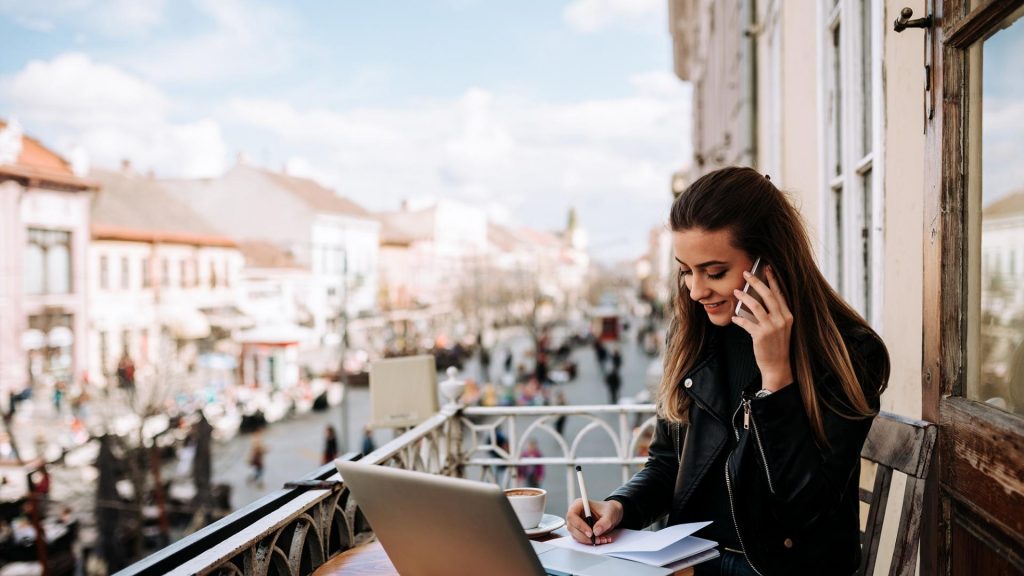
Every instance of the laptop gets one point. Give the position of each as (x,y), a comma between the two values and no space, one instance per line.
(433,525)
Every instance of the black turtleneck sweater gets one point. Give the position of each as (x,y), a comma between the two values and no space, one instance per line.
(710,500)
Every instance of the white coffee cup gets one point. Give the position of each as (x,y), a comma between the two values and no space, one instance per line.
(528,504)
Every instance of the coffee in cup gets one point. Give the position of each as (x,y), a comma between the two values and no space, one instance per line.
(528,504)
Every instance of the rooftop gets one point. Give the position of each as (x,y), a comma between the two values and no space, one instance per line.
(137,208)
(35,163)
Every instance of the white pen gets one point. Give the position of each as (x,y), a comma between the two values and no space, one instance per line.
(586,505)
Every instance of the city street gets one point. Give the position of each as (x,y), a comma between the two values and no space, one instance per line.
(295,445)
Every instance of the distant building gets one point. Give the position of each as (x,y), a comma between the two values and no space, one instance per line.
(536,266)
(163,281)
(334,238)
(431,251)
(658,284)
(44,235)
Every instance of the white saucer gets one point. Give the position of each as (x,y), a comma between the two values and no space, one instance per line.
(548,522)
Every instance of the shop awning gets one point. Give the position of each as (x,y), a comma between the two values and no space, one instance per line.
(185,323)
(279,334)
(227,317)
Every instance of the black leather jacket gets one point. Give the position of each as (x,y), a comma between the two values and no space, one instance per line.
(795,505)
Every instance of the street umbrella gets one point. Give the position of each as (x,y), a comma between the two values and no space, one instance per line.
(201,466)
(107,511)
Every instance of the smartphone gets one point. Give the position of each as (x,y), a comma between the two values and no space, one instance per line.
(759,272)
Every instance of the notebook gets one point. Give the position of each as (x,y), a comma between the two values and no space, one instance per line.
(433,525)
(669,546)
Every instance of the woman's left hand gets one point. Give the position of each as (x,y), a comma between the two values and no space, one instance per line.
(771,332)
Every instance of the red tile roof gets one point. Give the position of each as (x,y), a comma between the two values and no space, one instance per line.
(38,165)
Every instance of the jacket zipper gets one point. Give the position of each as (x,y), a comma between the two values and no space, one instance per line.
(732,510)
(748,420)
(732,421)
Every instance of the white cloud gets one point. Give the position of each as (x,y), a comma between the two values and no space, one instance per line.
(612,158)
(111,115)
(74,90)
(591,16)
(118,18)
(244,38)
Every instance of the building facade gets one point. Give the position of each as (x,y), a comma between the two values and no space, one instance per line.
(162,280)
(898,146)
(44,235)
(335,239)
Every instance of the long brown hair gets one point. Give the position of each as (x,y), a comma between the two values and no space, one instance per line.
(764,223)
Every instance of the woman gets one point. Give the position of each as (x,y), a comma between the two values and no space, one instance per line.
(760,421)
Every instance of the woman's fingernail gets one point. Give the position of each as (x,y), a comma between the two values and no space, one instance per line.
(736,292)
(746,274)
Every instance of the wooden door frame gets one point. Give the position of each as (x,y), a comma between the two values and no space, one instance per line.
(970,433)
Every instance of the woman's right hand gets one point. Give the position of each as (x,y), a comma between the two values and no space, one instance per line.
(607,515)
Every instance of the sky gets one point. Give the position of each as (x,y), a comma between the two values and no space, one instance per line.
(522,107)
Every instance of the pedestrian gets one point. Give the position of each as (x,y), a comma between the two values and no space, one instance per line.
(126,371)
(613,380)
(58,395)
(485,364)
(616,360)
(531,474)
(509,361)
(257,454)
(541,366)
(601,352)
(560,421)
(330,445)
(368,444)
(778,398)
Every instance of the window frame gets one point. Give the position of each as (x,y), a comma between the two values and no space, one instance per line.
(841,250)
(46,239)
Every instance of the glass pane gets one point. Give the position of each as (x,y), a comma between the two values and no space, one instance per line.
(837,102)
(865,242)
(35,273)
(837,238)
(58,268)
(1001,333)
(865,71)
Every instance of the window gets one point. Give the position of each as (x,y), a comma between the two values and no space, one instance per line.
(851,197)
(104,272)
(147,274)
(213,274)
(997,313)
(104,353)
(165,273)
(126,274)
(183,273)
(47,261)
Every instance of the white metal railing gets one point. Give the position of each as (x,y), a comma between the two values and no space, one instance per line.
(620,432)
(297,529)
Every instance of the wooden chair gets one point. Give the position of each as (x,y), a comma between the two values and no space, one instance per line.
(905,445)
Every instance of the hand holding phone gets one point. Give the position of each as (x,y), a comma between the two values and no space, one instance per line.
(757,271)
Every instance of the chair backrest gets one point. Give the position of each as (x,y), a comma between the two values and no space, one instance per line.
(905,445)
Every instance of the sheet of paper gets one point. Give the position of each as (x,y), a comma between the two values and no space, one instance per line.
(634,540)
(684,548)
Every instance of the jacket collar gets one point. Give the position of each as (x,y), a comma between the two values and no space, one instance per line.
(706,377)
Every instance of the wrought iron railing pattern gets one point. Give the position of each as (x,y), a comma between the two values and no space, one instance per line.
(295,530)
